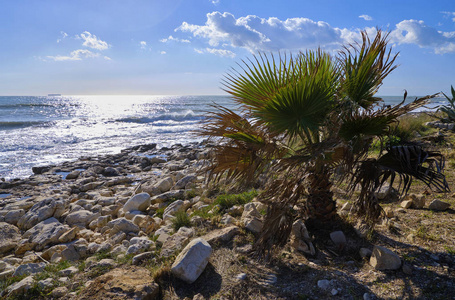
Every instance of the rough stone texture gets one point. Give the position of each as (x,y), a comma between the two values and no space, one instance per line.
(39,212)
(182,183)
(406,204)
(418,200)
(29,269)
(251,218)
(122,283)
(384,259)
(139,244)
(123,225)
(300,238)
(43,234)
(138,202)
(19,287)
(9,236)
(172,209)
(191,262)
(59,292)
(176,241)
(141,257)
(13,216)
(438,205)
(165,184)
(221,235)
(81,217)
(177,194)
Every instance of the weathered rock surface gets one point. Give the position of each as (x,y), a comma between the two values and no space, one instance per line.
(138,202)
(384,259)
(191,262)
(251,218)
(29,269)
(122,283)
(123,225)
(19,287)
(9,236)
(81,218)
(221,235)
(43,234)
(300,238)
(40,212)
(438,205)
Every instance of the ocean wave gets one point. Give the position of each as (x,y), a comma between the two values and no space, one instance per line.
(188,115)
(23,124)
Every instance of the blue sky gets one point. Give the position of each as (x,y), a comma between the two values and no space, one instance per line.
(185,46)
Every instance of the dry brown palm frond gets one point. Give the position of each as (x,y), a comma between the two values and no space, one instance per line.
(244,149)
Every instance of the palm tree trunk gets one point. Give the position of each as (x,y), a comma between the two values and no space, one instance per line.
(321,207)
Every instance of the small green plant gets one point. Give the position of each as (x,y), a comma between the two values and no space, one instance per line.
(181,220)
(159,212)
(450,250)
(102,255)
(227,201)
(449,110)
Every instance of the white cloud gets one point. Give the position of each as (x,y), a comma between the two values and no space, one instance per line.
(107,58)
(366,17)
(91,41)
(449,14)
(416,32)
(64,35)
(255,33)
(143,44)
(75,55)
(219,52)
(173,39)
(215,2)
(260,34)
(163,52)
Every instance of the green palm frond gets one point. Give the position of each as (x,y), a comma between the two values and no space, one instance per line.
(449,110)
(290,96)
(365,68)
(376,123)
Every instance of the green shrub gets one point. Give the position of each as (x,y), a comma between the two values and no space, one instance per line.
(181,220)
(227,201)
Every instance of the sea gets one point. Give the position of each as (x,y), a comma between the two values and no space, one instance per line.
(45,130)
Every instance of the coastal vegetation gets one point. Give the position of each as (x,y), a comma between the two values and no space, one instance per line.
(310,120)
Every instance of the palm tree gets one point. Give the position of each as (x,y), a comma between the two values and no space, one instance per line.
(301,119)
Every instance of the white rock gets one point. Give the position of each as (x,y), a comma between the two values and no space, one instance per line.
(165,184)
(45,233)
(39,212)
(172,209)
(124,225)
(300,239)
(13,216)
(9,236)
(182,183)
(384,259)
(324,284)
(191,262)
(138,202)
(81,217)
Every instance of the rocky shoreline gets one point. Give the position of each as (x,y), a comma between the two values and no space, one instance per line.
(107,204)
(105,228)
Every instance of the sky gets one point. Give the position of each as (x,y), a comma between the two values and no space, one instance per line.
(183,47)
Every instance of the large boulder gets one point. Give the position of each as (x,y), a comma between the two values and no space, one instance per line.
(221,235)
(122,225)
(81,218)
(191,262)
(164,185)
(384,259)
(19,287)
(45,233)
(9,236)
(39,212)
(172,208)
(182,183)
(139,202)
